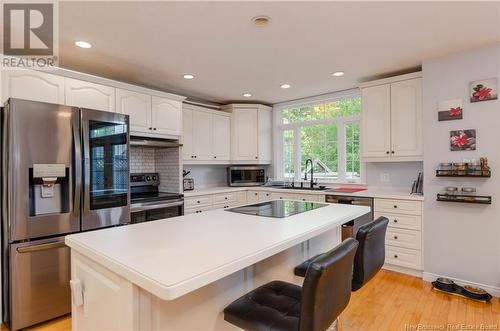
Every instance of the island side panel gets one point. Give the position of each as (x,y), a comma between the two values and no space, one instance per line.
(203,309)
(110,302)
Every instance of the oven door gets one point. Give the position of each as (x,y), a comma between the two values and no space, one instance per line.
(146,212)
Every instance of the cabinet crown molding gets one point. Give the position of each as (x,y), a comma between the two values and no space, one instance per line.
(393,79)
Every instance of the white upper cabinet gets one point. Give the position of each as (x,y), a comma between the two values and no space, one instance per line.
(206,135)
(391,119)
(245,126)
(138,107)
(250,133)
(166,116)
(187,133)
(32,85)
(221,142)
(89,95)
(202,135)
(406,118)
(376,121)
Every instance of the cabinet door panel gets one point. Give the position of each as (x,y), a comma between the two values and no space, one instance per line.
(202,135)
(245,144)
(89,95)
(32,85)
(406,118)
(376,121)
(166,116)
(138,107)
(187,134)
(221,144)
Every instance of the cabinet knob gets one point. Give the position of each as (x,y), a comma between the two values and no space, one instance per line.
(267,194)
(198,201)
(256,194)
(387,152)
(225,198)
(395,256)
(256,157)
(395,237)
(150,128)
(154,129)
(395,221)
(395,206)
(215,157)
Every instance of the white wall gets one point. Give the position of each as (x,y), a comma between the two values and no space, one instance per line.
(401,174)
(461,240)
(207,175)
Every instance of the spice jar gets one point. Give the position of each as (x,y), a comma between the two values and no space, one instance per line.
(460,168)
(445,168)
(469,193)
(474,169)
(450,190)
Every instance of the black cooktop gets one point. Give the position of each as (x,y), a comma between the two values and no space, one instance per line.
(278,208)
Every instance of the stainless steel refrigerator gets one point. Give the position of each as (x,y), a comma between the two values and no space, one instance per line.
(64,170)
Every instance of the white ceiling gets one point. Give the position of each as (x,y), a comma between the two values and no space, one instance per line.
(154,43)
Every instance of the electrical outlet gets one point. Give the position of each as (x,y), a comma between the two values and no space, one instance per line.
(384,178)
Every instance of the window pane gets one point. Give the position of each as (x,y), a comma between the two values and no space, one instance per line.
(343,107)
(288,155)
(353,163)
(319,143)
(303,114)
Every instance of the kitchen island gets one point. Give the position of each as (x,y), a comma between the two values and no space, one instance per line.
(180,273)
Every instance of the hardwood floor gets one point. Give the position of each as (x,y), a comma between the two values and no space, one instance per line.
(392,302)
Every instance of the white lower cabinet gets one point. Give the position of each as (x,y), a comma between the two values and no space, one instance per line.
(403,240)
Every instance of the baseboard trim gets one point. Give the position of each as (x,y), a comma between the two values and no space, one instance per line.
(403,270)
(493,290)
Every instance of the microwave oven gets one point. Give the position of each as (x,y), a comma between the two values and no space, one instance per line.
(246,176)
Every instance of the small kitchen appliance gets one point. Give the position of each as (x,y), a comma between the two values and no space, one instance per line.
(188,183)
(148,203)
(246,176)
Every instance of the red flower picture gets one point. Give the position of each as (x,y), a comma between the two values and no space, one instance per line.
(450,110)
(484,90)
(463,140)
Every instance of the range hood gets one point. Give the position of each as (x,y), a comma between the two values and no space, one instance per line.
(154,142)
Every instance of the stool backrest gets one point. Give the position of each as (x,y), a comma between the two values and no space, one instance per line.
(327,287)
(370,255)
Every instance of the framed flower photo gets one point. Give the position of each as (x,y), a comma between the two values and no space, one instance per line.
(483,90)
(463,140)
(450,110)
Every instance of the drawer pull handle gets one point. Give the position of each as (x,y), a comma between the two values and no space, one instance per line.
(395,221)
(395,256)
(395,237)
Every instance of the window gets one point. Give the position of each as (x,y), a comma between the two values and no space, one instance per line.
(326,132)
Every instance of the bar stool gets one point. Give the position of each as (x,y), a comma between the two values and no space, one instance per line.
(370,255)
(282,306)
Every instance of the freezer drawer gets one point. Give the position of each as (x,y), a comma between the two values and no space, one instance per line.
(39,282)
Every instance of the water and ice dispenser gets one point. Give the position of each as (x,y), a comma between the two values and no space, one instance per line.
(49,189)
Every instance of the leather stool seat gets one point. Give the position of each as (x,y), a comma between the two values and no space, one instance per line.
(273,306)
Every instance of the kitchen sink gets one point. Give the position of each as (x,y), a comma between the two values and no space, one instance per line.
(320,188)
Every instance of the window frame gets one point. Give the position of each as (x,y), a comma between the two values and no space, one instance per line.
(280,127)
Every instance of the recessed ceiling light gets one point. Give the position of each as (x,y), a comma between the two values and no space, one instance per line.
(83,44)
(285,85)
(188,76)
(338,74)
(261,20)
(247,95)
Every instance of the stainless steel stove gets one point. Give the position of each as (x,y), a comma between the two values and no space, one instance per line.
(278,208)
(148,203)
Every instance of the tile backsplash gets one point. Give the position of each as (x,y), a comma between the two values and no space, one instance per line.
(142,159)
(164,161)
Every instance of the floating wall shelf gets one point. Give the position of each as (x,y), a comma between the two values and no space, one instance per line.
(456,173)
(464,198)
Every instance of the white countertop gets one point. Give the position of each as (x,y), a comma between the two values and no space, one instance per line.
(373,192)
(175,256)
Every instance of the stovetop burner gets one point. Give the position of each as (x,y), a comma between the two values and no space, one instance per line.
(144,188)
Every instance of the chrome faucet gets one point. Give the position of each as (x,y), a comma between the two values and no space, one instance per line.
(312,172)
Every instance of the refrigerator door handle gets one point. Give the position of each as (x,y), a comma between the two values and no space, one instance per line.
(41,247)
(77,180)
